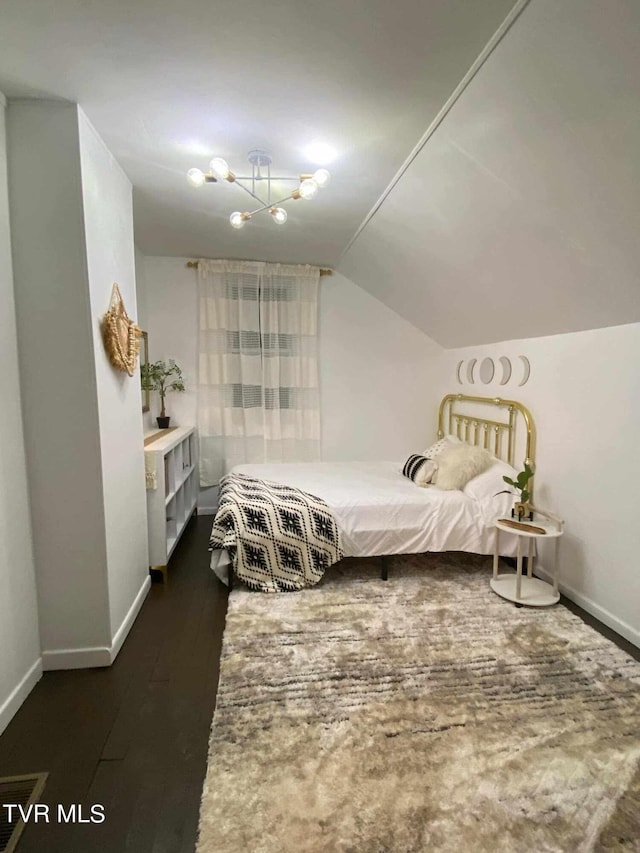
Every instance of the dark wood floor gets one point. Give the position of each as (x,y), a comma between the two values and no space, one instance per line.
(134,737)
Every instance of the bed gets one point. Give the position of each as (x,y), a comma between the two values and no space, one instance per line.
(379,512)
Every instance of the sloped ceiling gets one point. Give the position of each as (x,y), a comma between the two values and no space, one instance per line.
(170,83)
(520,216)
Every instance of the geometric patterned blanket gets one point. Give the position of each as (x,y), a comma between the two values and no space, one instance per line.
(278,538)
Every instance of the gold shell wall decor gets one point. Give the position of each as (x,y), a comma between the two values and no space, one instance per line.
(121,335)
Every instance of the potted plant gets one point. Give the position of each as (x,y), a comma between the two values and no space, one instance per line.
(521,508)
(162,377)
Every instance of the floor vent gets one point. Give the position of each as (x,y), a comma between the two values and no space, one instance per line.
(24,790)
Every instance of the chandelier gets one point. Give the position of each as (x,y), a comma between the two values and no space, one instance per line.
(258,185)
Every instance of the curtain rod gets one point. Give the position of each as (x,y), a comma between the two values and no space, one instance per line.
(194,266)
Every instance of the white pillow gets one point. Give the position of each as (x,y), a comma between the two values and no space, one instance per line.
(440,445)
(458,464)
(490,482)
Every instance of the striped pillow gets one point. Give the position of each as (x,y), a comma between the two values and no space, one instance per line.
(419,469)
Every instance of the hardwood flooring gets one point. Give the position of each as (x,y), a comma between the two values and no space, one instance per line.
(134,737)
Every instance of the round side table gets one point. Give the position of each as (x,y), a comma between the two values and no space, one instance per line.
(525,589)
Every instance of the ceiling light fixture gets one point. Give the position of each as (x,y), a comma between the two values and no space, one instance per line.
(259,181)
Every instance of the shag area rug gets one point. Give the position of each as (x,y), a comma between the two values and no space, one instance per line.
(421,714)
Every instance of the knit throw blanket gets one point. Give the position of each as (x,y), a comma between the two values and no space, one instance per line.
(278,538)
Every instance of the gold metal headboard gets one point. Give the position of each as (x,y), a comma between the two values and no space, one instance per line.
(455,418)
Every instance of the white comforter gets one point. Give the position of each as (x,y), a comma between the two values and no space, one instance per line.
(380,512)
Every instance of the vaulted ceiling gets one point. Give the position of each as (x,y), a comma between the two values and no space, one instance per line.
(516,214)
(170,83)
(520,216)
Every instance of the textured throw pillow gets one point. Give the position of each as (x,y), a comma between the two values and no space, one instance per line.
(459,464)
(440,445)
(419,469)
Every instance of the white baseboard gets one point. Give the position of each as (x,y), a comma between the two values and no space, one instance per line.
(19,694)
(207,510)
(83,658)
(121,634)
(623,628)
(86,658)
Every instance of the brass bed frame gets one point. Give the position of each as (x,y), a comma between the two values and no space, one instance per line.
(492,434)
(457,416)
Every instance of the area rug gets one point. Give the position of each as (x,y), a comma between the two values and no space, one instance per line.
(420,714)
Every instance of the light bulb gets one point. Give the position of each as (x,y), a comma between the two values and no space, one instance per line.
(195,177)
(322,177)
(320,152)
(220,168)
(237,220)
(309,189)
(279,215)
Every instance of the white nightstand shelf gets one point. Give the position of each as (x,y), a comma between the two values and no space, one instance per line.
(525,589)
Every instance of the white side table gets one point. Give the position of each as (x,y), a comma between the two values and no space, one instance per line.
(525,589)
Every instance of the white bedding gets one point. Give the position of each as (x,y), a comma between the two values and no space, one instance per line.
(381,512)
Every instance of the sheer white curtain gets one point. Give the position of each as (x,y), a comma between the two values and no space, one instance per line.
(258,398)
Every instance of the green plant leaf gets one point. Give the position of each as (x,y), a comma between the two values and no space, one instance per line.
(154,377)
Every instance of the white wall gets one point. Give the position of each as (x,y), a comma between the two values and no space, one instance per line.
(374,366)
(83,427)
(62,432)
(108,221)
(20,665)
(171,316)
(584,396)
